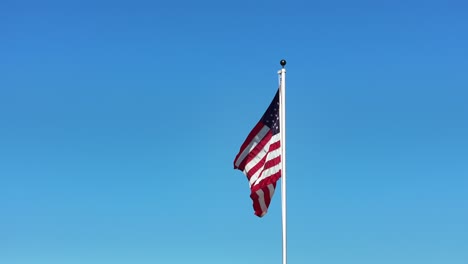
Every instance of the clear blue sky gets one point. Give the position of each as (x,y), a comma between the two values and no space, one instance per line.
(119,122)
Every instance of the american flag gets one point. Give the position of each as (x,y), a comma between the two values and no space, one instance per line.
(260,158)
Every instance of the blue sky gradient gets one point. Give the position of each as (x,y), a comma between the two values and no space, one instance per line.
(119,122)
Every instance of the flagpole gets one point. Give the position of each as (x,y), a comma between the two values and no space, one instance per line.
(283,152)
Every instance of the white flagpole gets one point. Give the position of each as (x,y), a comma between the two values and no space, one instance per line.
(283,152)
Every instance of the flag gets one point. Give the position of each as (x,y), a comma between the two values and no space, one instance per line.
(260,158)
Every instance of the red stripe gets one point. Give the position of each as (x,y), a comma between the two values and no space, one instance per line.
(249,138)
(275,145)
(256,204)
(263,164)
(270,179)
(267,198)
(257,166)
(266,191)
(254,152)
(273,162)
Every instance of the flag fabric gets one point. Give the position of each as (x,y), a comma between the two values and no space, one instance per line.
(260,158)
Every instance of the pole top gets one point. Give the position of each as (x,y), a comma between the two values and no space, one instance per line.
(283,63)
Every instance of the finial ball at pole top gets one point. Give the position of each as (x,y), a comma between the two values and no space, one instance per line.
(283,62)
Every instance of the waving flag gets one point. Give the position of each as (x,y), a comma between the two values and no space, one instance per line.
(260,158)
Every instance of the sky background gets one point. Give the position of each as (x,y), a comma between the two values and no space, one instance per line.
(119,122)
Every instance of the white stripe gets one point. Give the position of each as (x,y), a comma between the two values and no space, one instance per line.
(255,175)
(271,189)
(261,201)
(267,173)
(261,154)
(271,155)
(261,134)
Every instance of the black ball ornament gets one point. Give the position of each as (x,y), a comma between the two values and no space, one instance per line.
(283,63)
